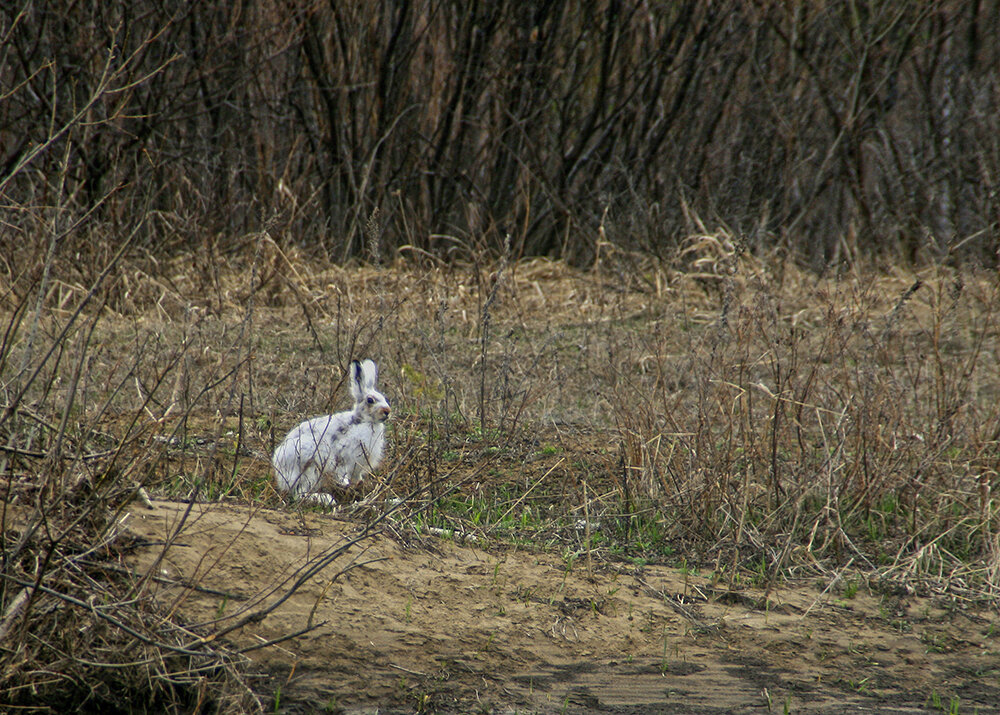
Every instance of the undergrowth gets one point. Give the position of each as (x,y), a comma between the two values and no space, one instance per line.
(722,412)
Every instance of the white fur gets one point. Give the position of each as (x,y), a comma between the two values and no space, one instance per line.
(335,450)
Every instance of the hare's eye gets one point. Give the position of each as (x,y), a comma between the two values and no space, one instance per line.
(371,400)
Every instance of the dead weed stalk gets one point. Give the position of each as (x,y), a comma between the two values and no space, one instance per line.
(795,435)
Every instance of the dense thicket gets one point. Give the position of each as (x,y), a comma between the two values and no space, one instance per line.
(827,129)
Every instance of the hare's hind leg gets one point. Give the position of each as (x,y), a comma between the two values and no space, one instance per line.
(309,484)
(321,498)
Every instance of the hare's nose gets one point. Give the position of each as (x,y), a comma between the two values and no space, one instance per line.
(384,412)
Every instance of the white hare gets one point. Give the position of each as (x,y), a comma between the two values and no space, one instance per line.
(335,450)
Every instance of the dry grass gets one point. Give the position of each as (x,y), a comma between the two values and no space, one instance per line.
(727,411)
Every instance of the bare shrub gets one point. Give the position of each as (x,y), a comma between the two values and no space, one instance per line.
(831,132)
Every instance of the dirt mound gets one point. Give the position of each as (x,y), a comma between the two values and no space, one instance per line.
(433,625)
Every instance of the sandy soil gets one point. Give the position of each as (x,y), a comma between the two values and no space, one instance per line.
(431,625)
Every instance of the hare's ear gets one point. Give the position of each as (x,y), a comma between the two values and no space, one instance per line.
(356,381)
(369,373)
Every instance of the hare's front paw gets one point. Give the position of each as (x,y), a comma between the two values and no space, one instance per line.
(321,498)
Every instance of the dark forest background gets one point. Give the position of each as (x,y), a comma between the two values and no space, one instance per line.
(830,131)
